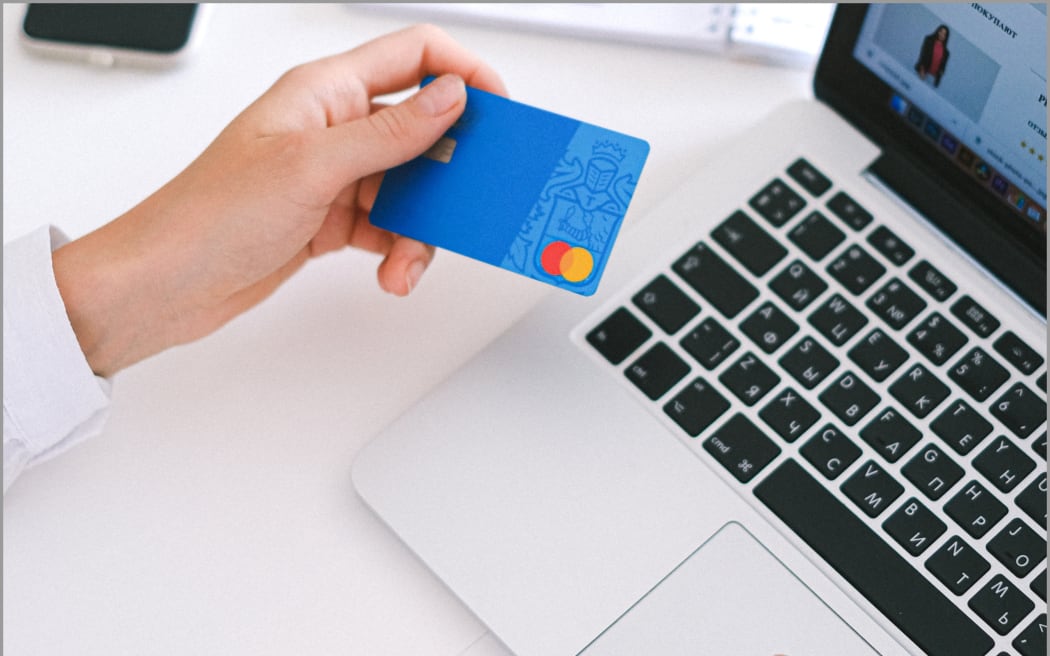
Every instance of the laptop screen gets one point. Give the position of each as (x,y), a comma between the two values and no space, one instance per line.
(956,95)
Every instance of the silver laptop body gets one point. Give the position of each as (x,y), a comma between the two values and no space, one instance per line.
(765,435)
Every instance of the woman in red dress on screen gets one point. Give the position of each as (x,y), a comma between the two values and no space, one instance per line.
(933,58)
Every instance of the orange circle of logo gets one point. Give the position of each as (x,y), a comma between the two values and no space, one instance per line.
(577,264)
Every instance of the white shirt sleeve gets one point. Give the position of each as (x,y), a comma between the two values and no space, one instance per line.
(52,399)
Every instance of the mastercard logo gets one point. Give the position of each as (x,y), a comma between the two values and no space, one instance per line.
(573,263)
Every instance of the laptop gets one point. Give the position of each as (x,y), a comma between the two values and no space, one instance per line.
(806,411)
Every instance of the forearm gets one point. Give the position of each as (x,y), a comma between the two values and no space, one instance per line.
(167,272)
(112,295)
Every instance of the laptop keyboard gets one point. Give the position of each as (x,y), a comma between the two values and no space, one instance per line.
(849,386)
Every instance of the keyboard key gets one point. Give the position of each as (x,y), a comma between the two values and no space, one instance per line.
(798,285)
(837,320)
(808,362)
(1041,381)
(847,209)
(933,472)
(666,304)
(961,427)
(903,595)
(937,339)
(914,527)
(709,343)
(816,236)
(696,407)
(891,435)
(896,304)
(975,317)
(933,281)
(748,243)
(830,452)
(1004,464)
(919,391)
(749,379)
(1017,353)
(890,245)
(878,355)
(979,374)
(741,448)
(1032,500)
(975,508)
(1032,640)
(789,415)
(957,565)
(657,370)
(1039,445)
(872,488)
(768,327)
(849,398)
(1018,547)
(855,269)
(715,280)
(1039,586)
(777,203)
(618,336)
(1021,410)
(808,177)
(1001,604)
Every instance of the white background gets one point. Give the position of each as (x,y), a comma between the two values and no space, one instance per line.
(215,514)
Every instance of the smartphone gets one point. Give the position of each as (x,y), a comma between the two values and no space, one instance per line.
(112,34)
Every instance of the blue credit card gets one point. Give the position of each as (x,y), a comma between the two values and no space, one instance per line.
(517,187)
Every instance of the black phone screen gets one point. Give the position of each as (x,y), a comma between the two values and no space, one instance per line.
(162,28)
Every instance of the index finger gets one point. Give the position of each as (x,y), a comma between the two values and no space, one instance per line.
(345,83)
(399,60)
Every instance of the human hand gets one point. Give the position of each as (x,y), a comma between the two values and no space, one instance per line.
(292,177)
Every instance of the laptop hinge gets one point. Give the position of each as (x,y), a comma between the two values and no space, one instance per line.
(1016,268)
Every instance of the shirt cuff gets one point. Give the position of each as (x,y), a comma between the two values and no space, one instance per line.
(52,399)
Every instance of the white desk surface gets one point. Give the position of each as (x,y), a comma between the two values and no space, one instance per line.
(215,514)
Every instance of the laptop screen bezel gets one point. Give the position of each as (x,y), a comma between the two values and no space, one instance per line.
(991,232)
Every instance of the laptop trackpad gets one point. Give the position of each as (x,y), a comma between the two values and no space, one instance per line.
(731,596)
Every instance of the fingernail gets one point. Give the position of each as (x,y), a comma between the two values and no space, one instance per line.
(441,95)
(415,272)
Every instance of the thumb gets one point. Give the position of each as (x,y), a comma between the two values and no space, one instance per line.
(395,134)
